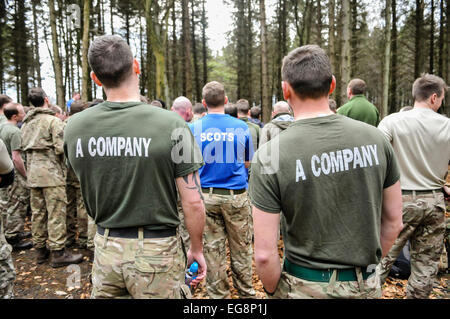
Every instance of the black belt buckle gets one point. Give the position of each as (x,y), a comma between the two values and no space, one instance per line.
(133,232)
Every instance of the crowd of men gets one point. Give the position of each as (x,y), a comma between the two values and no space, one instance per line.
(146,191)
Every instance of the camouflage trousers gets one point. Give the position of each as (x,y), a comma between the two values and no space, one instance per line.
(16,199)
(228,218)
(77,218)
(139,268)
(7,273)
(423,225)
(48,220)
(291,287)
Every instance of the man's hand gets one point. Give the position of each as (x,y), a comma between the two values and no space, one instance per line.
(200,259)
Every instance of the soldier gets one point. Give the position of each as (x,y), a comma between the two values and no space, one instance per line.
(231,110)
(7,273)
(183,107)
(243,108)
(281,119)
(42,141)
(336,181)
(255,116)
(227,148)
(4,99)
(16,196)
(421,141)
(124,153)
(199,111)
(76,96)
(76,212)
(358,107)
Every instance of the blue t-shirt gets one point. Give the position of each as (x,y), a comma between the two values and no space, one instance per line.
(226,145)
(69,103)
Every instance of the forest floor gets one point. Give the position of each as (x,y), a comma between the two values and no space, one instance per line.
(73,282)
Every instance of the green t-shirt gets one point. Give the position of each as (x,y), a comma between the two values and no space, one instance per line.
(126,157)
(11,135)
(326,175)
(360,109)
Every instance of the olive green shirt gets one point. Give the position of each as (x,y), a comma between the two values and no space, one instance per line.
(255,132)
(360,109)
(127,157)
(326,175)
(11,135)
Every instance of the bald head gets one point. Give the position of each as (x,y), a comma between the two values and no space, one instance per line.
(280,107)
(183,106)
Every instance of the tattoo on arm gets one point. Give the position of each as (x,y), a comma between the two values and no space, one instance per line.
(197,185)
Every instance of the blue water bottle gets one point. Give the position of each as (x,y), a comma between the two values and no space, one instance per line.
(191,274)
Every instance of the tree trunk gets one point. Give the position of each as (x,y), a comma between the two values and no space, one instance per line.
(441,39)
(111,15)
(393,87)
(418,58)
(84,59)
(354,38)
(204,44)
(22,57)
(175,83)
(187,76)
(265,98)
(331,34)
(37,59)
(198,93)
(319,23)
(345,51)
(431,69)
(2,45)
(57,66)
(387,60)
(249,54)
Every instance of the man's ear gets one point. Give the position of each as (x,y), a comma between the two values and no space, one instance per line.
(95,79)
(136,67)
(226,100)
(332,85)
(286,90)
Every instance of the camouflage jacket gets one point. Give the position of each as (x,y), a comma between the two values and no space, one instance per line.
(42,141)
(278,124)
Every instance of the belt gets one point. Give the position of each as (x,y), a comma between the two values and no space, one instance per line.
(318,275)
(133,232)
(224,191)
(410,192)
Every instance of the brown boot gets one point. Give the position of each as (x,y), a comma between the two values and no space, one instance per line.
(60,258)
(42,254)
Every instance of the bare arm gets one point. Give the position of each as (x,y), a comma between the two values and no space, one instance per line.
(194,216)
(18,163)
(266,228)
(391,216)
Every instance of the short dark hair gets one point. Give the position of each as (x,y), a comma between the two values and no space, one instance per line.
(162,103)
(4,99)
(156,103)
(56,109)
(199,108)
(255,112)
(357,86)
(214,94)
(307,69)
(243,106)
(37,96)
(10,109)
(427,85)
(111,59)
(231,109)
(77,107)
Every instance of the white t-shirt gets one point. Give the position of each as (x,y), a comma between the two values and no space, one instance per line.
(421,141)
